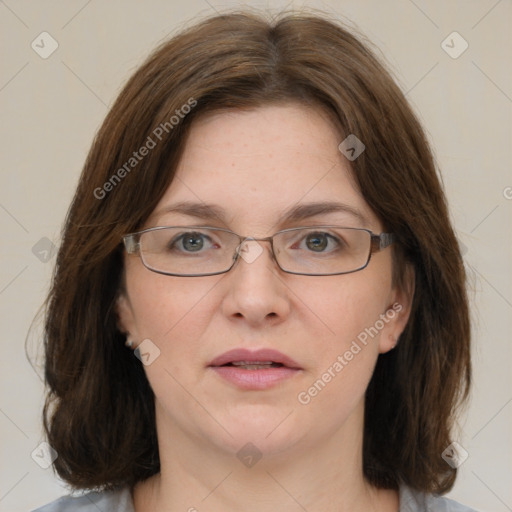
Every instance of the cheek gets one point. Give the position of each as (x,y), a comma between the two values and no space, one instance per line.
(167,308)
(344,356)
(173,313)
(350,306)
(346,306)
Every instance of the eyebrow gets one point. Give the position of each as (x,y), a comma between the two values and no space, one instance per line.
(296,213)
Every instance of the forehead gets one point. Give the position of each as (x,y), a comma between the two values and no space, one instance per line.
(256,164)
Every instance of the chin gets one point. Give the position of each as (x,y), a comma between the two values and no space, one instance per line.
(270,430)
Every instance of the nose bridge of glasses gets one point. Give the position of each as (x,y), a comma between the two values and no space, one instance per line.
(251,251)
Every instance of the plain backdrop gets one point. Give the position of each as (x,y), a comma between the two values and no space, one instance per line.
(51,108)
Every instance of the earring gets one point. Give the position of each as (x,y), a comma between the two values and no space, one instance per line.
(128,342)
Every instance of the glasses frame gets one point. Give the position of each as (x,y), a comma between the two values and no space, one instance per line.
(378,242)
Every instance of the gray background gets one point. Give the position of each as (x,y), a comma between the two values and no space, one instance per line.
(51,108)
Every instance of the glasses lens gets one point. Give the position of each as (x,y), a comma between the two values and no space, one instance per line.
(322,250)
(194,251)
(188,251)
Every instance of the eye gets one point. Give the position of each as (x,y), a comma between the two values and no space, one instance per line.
(320,241)
(317,242)
(191,242)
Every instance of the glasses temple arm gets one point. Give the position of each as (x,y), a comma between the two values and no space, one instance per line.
(380,242)
(131,243)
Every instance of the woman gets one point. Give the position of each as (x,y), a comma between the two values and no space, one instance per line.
(259,301)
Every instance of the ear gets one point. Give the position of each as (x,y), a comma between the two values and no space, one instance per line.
(125,316)
(398,312)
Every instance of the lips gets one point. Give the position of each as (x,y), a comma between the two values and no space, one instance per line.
(253,360)
(257,370)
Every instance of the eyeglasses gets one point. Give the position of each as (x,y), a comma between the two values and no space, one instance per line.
(204,251)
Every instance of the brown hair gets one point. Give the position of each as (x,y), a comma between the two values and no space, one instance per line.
(99,413)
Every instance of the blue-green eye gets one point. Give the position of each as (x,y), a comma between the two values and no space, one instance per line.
(190,242)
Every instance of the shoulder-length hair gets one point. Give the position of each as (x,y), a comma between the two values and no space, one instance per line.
(99,414)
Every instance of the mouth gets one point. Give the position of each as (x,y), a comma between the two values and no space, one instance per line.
(254,360)
(254,370)
(254,365)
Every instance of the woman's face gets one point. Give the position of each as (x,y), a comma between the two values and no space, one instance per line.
(253,166)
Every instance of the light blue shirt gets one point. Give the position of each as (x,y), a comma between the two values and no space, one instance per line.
(121,501)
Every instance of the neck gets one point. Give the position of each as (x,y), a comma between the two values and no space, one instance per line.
(198,475)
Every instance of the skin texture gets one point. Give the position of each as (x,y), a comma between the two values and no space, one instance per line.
(256,164)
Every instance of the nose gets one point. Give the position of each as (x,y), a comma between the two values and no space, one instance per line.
(255,289)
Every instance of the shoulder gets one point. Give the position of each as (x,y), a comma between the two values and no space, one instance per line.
(113,501)
(414,501)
